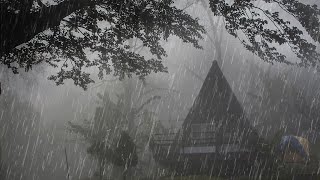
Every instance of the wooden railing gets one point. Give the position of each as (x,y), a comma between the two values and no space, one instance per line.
(209,138)
(170,138)
(164,139)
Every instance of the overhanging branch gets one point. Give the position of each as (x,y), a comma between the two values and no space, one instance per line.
(18,28)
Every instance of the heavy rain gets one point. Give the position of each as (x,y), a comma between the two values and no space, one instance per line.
(159,89)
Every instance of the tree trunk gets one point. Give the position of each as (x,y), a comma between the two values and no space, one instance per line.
(18,28)
(124,176)
(216,41)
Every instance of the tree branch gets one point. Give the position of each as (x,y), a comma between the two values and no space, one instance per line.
(18,28)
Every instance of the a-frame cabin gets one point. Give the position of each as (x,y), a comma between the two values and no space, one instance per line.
(215,137)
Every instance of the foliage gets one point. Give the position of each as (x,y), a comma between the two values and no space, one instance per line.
(249,23)
(104,28)
(66,45)
(99,134)
(102,133)
(109,134)
(283,103)
(125,152)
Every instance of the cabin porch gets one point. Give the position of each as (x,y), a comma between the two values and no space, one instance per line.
(202,157)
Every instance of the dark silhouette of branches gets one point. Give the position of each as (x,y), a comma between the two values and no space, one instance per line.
(64,34)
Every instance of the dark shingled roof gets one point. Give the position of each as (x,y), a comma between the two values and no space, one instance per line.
(230,142)
(216,103)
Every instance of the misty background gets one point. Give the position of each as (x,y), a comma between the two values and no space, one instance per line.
(34,112)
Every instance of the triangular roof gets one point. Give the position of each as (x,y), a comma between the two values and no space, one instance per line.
(216,103)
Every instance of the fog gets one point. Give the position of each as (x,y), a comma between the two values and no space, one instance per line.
(35,137)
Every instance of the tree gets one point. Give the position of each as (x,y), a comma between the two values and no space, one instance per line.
(282,103)
(247,22)
(109,134)
(62,35)
(68,39)
(101,133)
(125,153)
(100,150)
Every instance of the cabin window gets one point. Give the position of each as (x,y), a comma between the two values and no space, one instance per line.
(200,131)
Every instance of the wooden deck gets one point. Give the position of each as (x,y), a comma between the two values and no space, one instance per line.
(200,155)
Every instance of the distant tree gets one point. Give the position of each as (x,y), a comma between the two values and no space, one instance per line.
(283,104)
(114,123)
(103,152)
(121,153)
(125,153)
(62,35)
